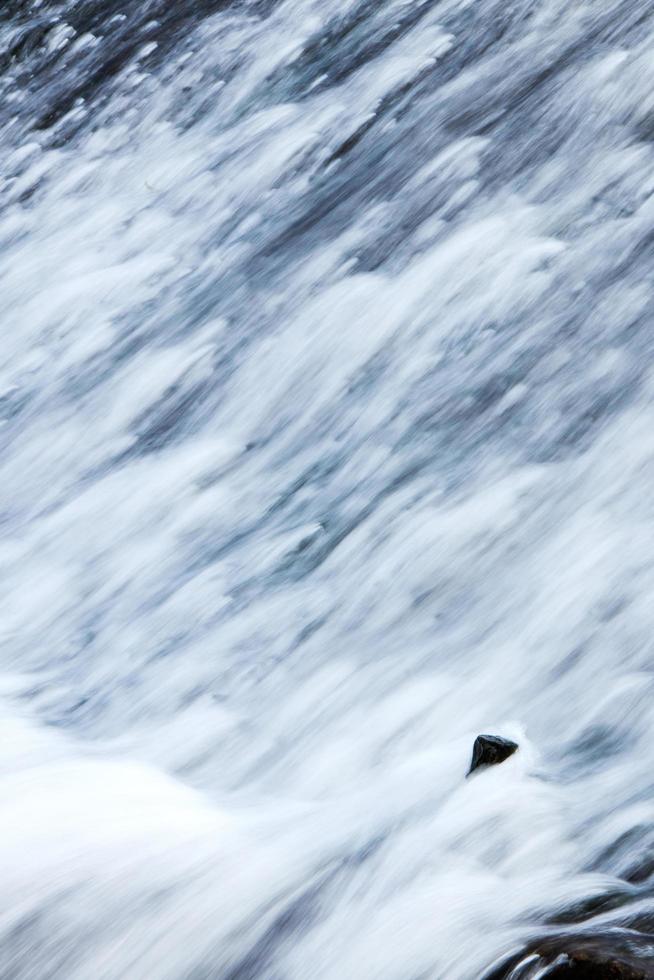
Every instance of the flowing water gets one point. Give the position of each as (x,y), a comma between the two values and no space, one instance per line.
(326,443)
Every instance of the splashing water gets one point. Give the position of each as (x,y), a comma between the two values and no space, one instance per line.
(327,443)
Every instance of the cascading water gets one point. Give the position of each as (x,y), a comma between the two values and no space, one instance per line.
(326,444)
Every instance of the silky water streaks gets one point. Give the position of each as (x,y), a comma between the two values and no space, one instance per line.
(326,446)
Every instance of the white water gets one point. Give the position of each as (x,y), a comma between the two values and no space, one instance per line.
(317,462)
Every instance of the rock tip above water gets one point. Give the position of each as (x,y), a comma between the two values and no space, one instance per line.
(490,750)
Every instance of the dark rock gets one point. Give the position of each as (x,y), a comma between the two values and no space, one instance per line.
(614,954)
(572,967)
(583,968)
(490,750)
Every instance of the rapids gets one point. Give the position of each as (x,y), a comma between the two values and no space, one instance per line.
(326,444)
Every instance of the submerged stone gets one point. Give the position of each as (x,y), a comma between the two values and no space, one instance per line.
(575,968)
(572,967)
(616,953)
(490,750)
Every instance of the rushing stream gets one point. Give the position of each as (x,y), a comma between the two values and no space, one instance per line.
(326,444)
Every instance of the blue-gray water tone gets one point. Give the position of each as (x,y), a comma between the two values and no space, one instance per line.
(326,444)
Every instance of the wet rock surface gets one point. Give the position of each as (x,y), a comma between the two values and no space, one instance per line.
(619,954)
(584,969)
(491,750)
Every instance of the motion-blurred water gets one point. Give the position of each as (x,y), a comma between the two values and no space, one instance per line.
(327,442)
